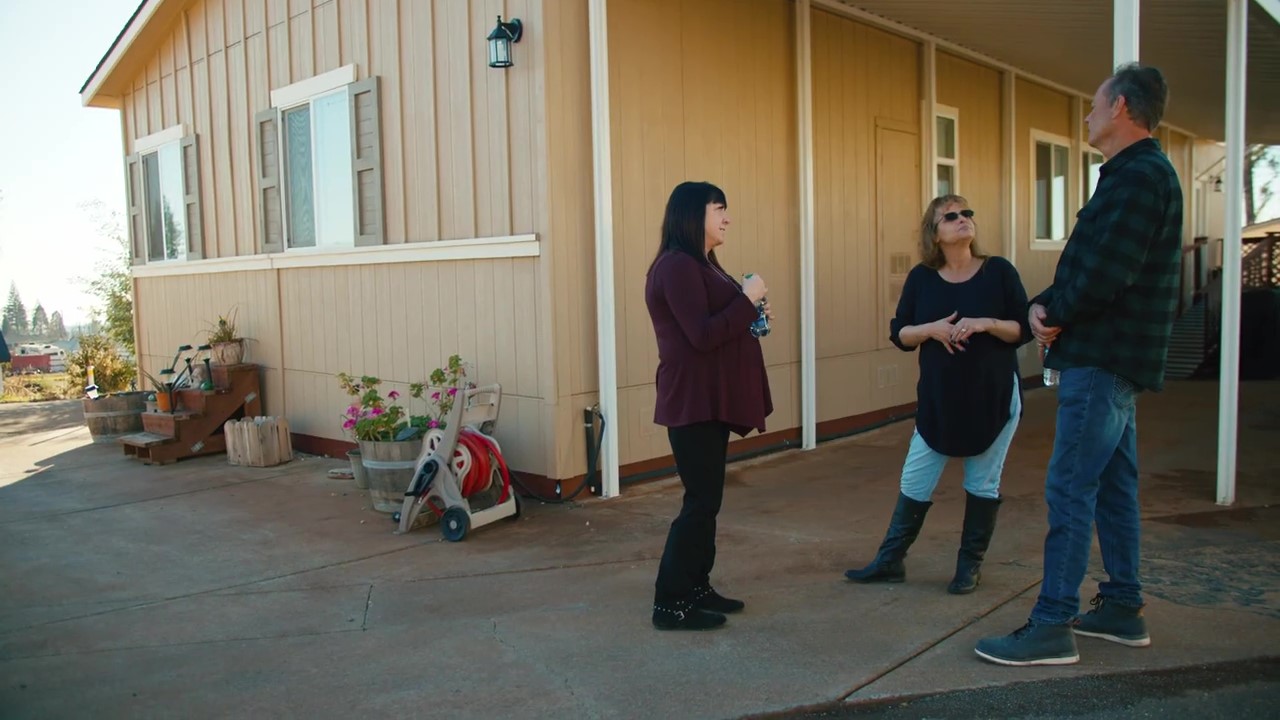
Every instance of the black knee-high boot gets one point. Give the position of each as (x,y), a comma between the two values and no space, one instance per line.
(904,527)
(979,525)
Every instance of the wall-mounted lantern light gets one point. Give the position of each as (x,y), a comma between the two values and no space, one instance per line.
(1217,184)
(500,41)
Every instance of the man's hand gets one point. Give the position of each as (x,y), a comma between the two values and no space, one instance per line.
(1044,334)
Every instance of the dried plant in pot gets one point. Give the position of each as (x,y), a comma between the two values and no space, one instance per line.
(227,346)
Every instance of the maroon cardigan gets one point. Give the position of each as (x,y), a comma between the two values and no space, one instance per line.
(710,366)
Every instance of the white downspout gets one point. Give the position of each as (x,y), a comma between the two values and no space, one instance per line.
(606,328)
(808,302)
(1229,365)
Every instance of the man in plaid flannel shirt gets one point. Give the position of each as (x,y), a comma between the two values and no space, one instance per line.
(1106,322)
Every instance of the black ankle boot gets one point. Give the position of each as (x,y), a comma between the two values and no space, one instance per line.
(706,598)
(979,525)
(684,616)
(904,528)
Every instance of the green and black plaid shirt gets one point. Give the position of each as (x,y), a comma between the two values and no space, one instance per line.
(1115,291)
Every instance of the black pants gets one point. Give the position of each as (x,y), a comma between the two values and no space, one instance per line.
(700,450)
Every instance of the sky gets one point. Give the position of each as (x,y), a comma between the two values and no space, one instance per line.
(57,154)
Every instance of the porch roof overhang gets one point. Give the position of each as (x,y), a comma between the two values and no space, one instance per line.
(1070,44)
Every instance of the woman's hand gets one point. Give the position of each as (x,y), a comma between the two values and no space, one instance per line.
(942,331)
(965,328)
(755,289)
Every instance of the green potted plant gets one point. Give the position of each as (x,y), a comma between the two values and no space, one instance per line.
(389,447)
(226,344)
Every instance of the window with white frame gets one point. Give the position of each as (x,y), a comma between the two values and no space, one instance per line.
(319,153)
(1091,164)
(946,143)
(316,137)
(1050,159)
(163,179)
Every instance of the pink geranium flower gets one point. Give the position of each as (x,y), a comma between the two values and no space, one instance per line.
(393,395)
(376,411)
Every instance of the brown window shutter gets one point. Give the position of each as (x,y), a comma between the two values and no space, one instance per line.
(191,197)
(133,190)
(366,161)
(269,209)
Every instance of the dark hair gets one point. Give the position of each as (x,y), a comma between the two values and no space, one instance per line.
(930,251)
(1144,91)
(684,222)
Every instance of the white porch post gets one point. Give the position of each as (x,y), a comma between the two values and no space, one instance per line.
(606,328)
(1229,365)
(808,302)
(1124,44)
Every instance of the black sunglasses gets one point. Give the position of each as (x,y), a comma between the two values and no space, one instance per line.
(953,216)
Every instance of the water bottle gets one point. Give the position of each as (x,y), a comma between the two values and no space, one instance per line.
(1050,375)
(759,327)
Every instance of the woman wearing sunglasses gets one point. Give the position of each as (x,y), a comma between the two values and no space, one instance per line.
(967,313)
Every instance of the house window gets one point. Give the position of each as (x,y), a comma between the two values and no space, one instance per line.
(946,141)
(317,172)
(1051,158)
(163,178)
(1091,162)
(162,197)
(320,164)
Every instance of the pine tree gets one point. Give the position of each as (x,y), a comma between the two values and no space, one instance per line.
(39,323)
(15,315)
(57,330)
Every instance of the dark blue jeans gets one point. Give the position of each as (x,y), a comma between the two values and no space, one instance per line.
(1093,477)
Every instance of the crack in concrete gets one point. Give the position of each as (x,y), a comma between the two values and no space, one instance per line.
(368,603)
(894,667)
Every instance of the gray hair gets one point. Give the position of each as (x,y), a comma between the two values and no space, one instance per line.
(1144,91)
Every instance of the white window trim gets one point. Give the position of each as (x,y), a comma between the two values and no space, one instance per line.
(507,246)
(156,140)
(304,90)
(952,114)
(1039,136)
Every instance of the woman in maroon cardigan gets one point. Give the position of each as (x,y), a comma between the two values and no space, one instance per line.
(711,381)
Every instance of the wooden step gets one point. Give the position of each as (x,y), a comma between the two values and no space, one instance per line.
(144,439)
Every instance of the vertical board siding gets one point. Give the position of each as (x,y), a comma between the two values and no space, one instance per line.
(691,105)
(1038,108)
(866,115)
(975,91)
(465,155)
(460,140)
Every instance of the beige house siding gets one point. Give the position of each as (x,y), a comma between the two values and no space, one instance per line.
(975,91)
(867,174)
(687,104)
(1038,108)
(469,152)
(178,310)
(464,156)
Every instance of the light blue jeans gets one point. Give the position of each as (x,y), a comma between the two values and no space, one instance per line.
(924,465)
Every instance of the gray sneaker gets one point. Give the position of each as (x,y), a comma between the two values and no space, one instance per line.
(1031,644)
(1112,621)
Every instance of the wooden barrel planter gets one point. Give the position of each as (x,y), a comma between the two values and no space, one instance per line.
(111,416)
(388,468)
